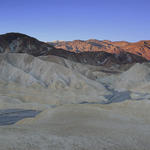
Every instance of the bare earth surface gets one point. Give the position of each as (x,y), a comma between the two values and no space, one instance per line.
(70,106)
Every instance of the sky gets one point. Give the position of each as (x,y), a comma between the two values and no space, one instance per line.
(50,20)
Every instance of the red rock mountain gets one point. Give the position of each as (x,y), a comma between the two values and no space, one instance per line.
(92,52)
(141,48)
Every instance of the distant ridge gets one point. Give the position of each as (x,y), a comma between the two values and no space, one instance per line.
(141,48)
(91,52)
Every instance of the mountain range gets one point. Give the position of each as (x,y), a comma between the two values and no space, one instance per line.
(91,52)
(141,48)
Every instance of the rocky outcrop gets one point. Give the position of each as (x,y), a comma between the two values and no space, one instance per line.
(21,43)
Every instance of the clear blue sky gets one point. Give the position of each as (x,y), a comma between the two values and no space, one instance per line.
(50,20)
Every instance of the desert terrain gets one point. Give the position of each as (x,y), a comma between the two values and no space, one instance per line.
(52,102)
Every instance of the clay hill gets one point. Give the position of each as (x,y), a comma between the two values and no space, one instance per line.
(92,52)
(141,48)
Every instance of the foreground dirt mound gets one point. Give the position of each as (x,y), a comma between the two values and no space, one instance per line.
(119,126)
